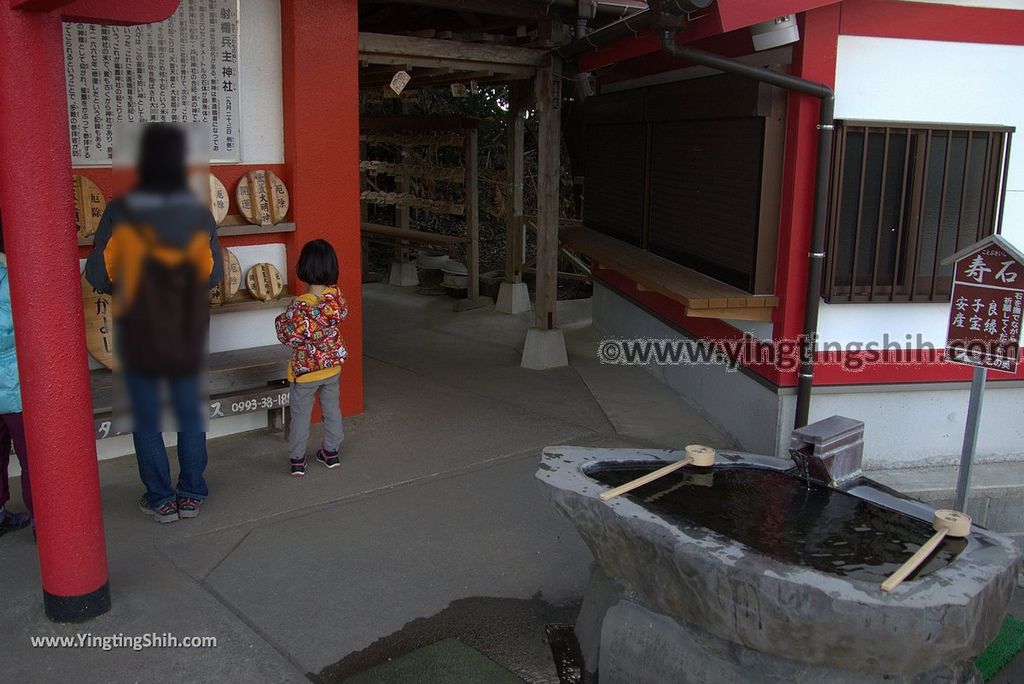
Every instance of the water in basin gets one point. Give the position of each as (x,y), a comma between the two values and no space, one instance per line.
(780,516)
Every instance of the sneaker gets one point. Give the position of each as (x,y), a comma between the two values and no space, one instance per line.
(298,467)
(166,513)
(188,507)
(328,458)
(11,522)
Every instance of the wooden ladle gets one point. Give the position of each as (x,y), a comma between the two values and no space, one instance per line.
(946,522)
(696,454)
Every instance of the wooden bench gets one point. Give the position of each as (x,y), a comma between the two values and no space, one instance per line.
(242,381)
(700,295)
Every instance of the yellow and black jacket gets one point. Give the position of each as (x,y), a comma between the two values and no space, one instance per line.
(159,256)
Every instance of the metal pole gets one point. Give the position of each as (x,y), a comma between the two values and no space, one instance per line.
(963,480)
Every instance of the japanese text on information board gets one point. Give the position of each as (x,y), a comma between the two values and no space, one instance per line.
(184,69)
(985,311)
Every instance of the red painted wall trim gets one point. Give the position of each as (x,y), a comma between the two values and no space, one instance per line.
(924,21)
(814,58)
(722,17)
(734,14)
(732,44)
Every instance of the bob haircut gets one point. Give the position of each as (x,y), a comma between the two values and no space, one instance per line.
(318,264)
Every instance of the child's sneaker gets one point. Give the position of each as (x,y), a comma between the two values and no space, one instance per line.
(188,507)
(165,513)
(328,458)
(299,467)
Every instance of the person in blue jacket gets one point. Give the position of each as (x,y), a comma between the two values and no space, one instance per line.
(12,428)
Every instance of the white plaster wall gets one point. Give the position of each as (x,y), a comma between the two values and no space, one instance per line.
(260,96)
(934,81)
(910,425)
(863,323)
(917,426)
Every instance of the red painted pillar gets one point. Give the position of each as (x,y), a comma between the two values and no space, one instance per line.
(814,59)
(39,235)
(320,45)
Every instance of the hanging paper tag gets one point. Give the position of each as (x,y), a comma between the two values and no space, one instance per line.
(459,90)
(399,81)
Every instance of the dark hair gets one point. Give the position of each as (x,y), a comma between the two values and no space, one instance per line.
(318,264)
(162,158)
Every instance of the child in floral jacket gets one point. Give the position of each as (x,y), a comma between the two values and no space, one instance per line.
(310,327)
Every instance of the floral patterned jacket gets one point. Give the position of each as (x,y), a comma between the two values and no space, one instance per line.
(310,327)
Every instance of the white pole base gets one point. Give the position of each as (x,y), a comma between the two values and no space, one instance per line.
(544,349)
(513,298)
(403,274)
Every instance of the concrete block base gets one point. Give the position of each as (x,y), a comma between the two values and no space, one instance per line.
(513,298)
(403,274)
(544,349)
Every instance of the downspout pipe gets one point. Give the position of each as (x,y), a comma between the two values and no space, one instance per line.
(633,24)
(816,255)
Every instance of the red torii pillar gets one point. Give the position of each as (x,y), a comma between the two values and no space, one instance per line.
(39,235)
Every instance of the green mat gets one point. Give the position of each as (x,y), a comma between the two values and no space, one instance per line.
(1007,644)
(445,662)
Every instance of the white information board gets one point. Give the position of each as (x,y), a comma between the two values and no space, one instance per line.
(184,69)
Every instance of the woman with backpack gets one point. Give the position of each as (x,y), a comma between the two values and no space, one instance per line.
(156,251)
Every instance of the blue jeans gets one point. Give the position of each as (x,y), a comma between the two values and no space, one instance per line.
(154,468)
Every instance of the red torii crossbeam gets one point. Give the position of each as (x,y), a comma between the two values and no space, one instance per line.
(40,238)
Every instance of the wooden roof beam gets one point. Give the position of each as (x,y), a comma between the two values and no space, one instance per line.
(379,48)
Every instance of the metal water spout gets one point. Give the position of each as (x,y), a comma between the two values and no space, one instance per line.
(829,451)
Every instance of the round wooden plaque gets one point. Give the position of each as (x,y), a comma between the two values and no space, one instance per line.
(99,324)
(89,205)
(264,282)
(211,192)
(230,281)
(218,199)
(262,198)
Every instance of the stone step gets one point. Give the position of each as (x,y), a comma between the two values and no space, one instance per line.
(996,498)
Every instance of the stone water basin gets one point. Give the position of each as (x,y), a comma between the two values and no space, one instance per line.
(762,570)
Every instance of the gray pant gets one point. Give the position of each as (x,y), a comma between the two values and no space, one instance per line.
(301,407)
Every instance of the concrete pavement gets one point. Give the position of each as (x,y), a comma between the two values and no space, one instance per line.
(432,528)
